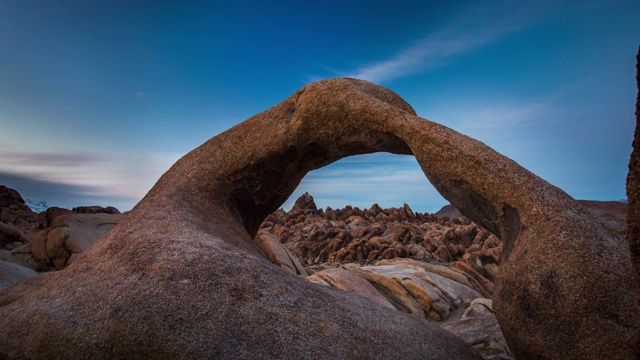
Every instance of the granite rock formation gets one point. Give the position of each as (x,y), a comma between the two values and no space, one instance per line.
(69,236)
(20,227)
(354,235)
(12,274)
(427,291)
(15,212)
(483,334)
(633,196)
(182,276)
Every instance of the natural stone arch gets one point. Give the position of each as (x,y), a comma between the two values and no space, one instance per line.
(189,241)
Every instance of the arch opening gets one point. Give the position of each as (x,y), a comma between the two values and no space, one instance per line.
(386,179)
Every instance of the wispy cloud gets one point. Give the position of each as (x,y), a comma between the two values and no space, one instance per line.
(61,194)
(475,27)
(506,112)
(118,179)
(48,159)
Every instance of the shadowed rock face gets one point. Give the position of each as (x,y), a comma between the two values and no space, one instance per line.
(181,276)
(633,195)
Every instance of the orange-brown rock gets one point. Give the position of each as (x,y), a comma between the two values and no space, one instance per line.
(181,275)
(479,282)
(70,235)
(315,239)
(47,217)
(348,281)
(14,211)
(275,252)
(415,290)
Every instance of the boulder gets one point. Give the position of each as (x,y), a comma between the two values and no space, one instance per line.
(70,235)
(13,273)
(478,307)
(14,211)
(348,281)
(47,217)
(413,290)
(10,234)
(275,252)
(305,204)
(181,276)
(478,282)
(95,210)
(10,197)
(483,334)
(20,255)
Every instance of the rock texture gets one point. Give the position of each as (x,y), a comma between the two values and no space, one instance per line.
(69,236)
(19,226)
(633,196)
(15,212)
(483,333)
(414,290)
(181,276)
(348,281)
(12,274)
(353,235)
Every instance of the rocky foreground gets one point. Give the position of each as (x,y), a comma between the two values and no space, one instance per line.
(439,288)
(186,274)
(439,267)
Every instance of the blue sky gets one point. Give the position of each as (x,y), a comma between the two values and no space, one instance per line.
(99,98)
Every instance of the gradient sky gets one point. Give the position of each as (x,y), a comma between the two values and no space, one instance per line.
(99,98)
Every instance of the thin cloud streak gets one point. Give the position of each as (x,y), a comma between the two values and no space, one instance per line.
(63,195)
(49,159)
(487,114)
(468,31)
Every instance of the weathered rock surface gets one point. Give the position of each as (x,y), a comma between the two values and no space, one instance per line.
(69,236)
(12,274)
(9,235)
(14,211)
(275,252)
(353,235)
(483,334)
(407,286)
(478,307)
(182,276)
(348,281)
(633,196)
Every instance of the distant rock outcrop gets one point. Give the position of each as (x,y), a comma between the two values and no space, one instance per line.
(355,235)
(69,236)
(181,275)
(14,211)
(21,228)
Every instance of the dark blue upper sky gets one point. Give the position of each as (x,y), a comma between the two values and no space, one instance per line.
(99,98)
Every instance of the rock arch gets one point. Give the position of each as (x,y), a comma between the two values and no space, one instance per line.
(180,276)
